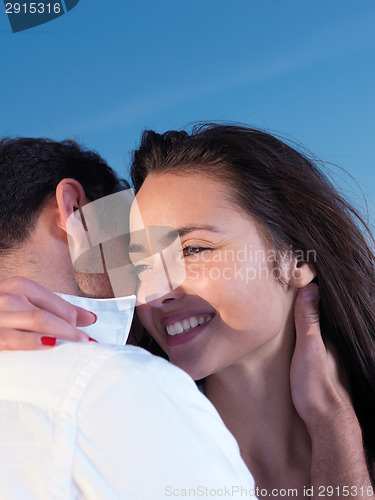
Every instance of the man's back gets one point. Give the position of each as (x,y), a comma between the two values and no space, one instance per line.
(102,422)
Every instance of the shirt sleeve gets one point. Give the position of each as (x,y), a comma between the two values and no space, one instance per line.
(146,432)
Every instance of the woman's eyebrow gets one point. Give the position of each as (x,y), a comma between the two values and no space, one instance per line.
(164,240)
(184,230)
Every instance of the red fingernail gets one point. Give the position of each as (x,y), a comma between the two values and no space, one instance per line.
(92,340)
(96,318)
(50,341)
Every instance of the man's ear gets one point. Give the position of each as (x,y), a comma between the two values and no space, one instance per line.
(301,273)
(70,195)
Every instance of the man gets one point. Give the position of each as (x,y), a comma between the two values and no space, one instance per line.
(88,420)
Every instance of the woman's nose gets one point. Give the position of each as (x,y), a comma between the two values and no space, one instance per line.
(160,284)
(161,300)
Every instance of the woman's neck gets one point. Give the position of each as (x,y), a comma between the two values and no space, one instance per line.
(254,400)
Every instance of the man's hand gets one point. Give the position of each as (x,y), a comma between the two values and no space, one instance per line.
(322,400)
(32,317)
(317,382)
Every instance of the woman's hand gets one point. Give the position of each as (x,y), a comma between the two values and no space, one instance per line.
(321,398)
(32,317)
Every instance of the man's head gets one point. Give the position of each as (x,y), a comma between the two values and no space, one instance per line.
(42,183)
(30,171)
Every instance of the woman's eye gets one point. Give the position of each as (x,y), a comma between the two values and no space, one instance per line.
(191,250)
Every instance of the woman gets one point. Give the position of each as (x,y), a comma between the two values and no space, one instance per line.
(257,222)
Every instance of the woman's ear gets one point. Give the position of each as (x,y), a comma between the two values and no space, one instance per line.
(70,195)
(301,273)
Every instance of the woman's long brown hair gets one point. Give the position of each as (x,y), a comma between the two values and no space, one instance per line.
(300,210)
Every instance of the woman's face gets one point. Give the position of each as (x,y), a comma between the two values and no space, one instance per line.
(230,305)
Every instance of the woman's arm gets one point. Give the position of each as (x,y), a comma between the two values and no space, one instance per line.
(339,468)
(32,317)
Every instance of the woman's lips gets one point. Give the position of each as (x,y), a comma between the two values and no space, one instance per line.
(177,326)
(181,332)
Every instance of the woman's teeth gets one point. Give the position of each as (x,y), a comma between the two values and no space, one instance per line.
(187,324)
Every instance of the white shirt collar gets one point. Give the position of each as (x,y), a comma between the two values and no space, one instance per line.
(114,317)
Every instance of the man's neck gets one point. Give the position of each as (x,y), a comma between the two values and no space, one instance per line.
(50,270)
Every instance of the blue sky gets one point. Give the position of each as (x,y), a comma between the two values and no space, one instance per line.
(108,69)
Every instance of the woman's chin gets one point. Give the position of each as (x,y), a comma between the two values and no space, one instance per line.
(195,371)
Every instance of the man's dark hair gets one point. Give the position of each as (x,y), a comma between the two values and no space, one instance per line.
(31,169)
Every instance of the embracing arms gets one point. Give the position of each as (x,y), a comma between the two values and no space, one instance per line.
(339,468)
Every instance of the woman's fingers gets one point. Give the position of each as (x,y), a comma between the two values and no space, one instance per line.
(15,340)
(32,317)
(14,291)
(41,321)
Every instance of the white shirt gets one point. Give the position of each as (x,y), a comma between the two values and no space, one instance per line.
(91,421)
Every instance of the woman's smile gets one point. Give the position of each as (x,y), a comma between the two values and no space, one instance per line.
(185,330)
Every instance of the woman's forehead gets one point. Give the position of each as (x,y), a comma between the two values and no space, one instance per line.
(176,197)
